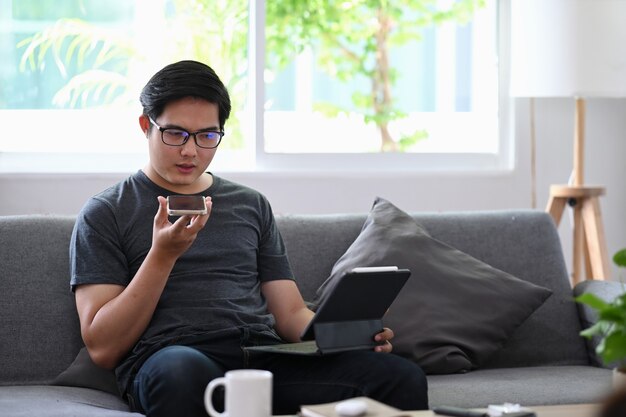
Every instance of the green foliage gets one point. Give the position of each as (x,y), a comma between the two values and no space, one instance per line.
(611,323)
(329,109)
(97,60)
(95,85)
(353,38)
(100,56)
(620,258)
(383,117)
(82,9)
(407,141)
(74,40)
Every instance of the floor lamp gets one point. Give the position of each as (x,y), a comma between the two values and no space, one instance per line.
(575,49)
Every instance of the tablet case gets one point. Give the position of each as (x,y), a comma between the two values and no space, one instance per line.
(351,315)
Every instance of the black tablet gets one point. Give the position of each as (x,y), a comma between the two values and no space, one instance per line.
(360,295)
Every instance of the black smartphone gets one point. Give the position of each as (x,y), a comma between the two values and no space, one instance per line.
(178,205)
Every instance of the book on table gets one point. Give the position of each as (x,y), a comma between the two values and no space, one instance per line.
(373,409)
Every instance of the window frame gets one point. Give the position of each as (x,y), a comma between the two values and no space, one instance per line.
(501,161)
(256,159)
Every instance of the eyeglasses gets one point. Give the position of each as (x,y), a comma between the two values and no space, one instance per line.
(207,139)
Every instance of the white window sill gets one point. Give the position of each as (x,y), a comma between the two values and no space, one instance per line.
(306,166)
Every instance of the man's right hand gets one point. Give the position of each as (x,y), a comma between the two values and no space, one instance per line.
(173,240)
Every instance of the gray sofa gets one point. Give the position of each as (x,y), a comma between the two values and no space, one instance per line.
(544,361)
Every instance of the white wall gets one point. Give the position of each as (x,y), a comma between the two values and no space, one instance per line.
(605,158)
(331,193)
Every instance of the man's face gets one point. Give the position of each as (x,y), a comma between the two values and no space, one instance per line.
(180,168)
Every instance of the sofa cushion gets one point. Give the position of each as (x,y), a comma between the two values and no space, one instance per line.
(528,386)
(455,311)
(50,401)
(314,242)
(84,373)
(38,310)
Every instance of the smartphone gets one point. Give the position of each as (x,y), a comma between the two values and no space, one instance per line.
(178,205)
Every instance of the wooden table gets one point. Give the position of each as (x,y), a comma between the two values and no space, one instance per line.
(569,410)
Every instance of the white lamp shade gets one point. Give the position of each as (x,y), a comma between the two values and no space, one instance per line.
(568,48)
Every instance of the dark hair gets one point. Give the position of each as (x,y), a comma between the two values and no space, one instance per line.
(184,79)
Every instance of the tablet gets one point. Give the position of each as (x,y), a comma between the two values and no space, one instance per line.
(359,295)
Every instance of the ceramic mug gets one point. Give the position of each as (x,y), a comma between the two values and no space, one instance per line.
(247,393)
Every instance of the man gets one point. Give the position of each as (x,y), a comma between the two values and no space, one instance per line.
(170,303)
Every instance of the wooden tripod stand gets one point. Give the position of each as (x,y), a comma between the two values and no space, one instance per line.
(589,239)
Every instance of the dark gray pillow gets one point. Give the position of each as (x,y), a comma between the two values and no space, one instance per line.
(455,311)
(86,374)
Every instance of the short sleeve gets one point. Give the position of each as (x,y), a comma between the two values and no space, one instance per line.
(96,255)
(273,263)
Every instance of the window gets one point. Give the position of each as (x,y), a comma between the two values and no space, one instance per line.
(75,69)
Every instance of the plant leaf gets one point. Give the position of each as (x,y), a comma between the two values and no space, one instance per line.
(620,258)
(613,347)
(592,301)
(600,328)
(614,314)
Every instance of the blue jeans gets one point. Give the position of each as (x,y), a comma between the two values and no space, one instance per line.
(172,381)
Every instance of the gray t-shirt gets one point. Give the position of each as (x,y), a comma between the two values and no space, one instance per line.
(214,285)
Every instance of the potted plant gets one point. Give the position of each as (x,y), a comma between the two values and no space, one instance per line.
(610,326)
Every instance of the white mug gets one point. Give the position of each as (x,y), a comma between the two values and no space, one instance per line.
(247,393)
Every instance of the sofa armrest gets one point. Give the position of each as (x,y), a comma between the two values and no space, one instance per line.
(606,290)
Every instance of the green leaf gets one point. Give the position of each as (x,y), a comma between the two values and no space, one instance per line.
(329,109)
(620,258)
(362,100)
(349,35)
(613,313)
(592,301)
(600,328)
(613,347)
(407,141)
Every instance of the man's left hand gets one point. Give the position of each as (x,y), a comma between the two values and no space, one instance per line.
(384,338)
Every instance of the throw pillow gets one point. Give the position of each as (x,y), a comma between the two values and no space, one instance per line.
(86,374)
(455,310)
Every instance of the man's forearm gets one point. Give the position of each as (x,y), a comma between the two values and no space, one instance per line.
(111,329)
(291,328)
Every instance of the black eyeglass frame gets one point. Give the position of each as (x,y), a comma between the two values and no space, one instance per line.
(189,134)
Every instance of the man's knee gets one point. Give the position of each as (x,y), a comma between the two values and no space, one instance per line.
(406,384)
(173,375)
(181,364)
